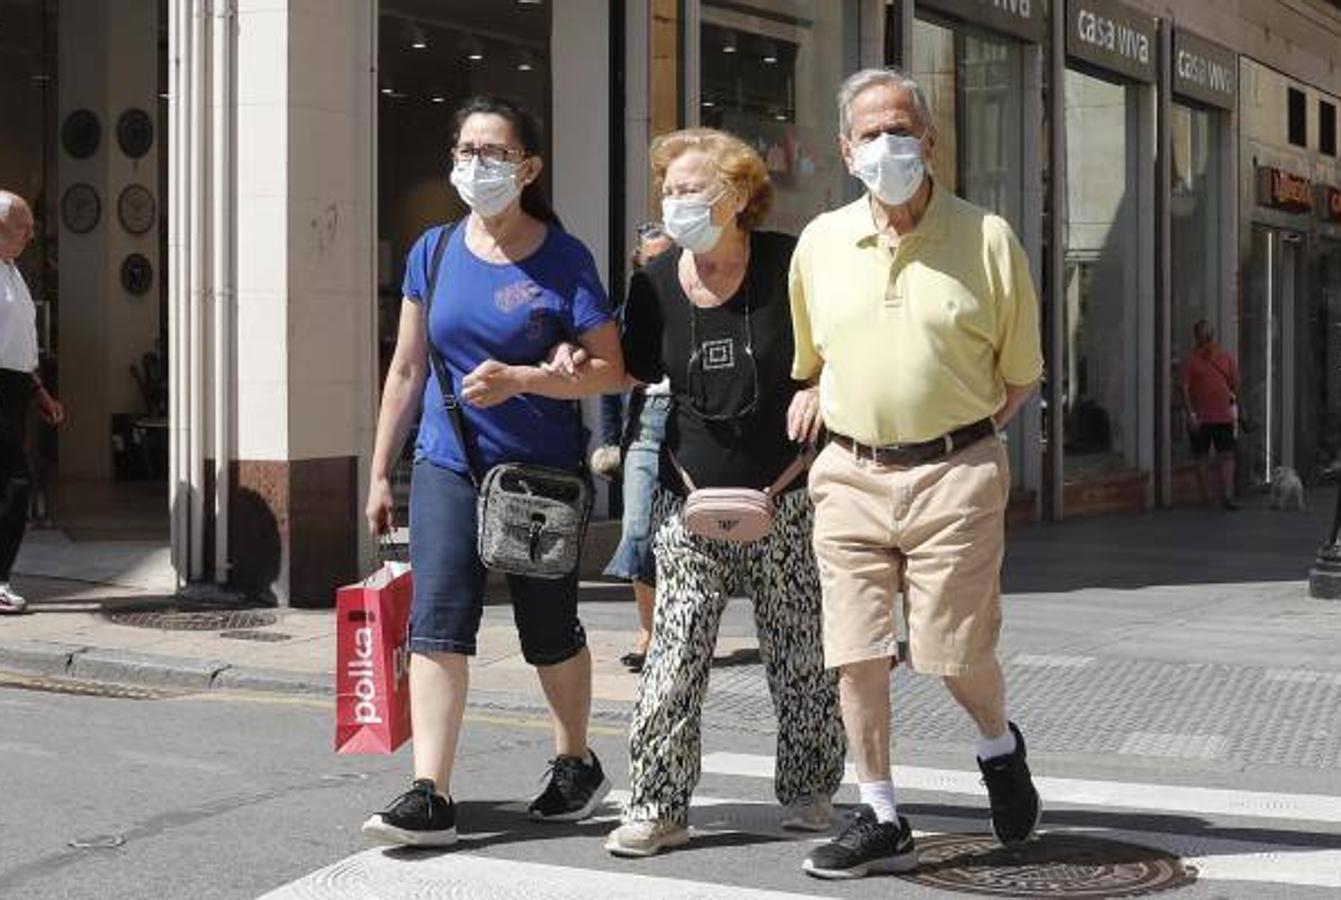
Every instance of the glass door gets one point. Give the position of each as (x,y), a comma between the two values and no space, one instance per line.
(1266,438)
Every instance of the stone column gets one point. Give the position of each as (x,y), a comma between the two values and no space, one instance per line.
(304,341)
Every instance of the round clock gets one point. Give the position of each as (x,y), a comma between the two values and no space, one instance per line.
(137,209)
(81,133)
(81,208)
(137,274)
(135,133)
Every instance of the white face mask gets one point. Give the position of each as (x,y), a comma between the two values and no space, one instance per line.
(688,222)
(486,187)
(891,167)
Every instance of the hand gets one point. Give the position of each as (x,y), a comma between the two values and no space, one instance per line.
(804,422)
(490,384)
(566,360)
(50,408)
(378,512)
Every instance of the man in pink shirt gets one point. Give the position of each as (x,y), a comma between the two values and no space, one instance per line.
(1210,382)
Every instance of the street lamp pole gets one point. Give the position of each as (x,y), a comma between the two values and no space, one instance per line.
(1324,579)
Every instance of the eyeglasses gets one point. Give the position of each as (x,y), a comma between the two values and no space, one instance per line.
(719,356)
(495,153)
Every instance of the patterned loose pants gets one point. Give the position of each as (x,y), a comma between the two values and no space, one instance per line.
(695,576)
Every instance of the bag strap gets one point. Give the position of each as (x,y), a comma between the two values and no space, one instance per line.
(786,477)
(449,400)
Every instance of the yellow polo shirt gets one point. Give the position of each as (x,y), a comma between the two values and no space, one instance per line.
(913,341)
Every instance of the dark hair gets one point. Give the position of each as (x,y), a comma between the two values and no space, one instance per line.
(527,130)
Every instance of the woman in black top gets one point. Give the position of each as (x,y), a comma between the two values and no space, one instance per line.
(713,317)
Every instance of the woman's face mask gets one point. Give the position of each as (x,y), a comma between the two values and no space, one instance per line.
(891,167)
(486,186)
(688,222)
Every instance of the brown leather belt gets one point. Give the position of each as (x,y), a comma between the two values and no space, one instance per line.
(922,451)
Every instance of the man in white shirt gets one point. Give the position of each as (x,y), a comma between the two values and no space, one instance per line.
(19,385)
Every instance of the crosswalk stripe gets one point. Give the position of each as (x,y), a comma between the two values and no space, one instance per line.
(377,873)
(1082,792)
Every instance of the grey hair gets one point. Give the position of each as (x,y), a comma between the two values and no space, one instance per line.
(857,82)
(6,205)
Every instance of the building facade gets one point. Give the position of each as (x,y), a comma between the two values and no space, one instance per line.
(227,190)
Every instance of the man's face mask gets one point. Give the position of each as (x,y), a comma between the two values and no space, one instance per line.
(891,167)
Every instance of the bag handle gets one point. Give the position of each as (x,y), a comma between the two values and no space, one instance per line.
(449,400)
(786,477)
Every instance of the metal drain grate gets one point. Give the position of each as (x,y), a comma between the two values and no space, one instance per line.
(80,688)
(1055,865)
(194,619)
(246,634)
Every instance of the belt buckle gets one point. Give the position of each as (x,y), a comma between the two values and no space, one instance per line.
(949,444)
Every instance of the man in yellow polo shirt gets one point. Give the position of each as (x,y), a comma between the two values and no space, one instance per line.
(915,312)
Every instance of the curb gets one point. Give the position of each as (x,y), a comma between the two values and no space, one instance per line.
(50,658)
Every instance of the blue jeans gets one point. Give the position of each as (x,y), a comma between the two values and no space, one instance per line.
(633,559)
(449,579)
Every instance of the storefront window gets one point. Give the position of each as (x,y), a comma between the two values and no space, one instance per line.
(432,56)
(974,85)
(1099,387)
(1318,446)
(1195,210)
(770,70)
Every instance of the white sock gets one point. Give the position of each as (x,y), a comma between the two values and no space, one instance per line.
(879,796)
(1002,745)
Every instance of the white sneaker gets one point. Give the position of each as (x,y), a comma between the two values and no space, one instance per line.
(646,838)
(808,813)
(10,602)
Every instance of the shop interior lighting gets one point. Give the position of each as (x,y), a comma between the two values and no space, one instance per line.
(439,99)
(387,91)
(418,40)
(473,49)
(530,2)
(729,46)
(770,54)
(525,62)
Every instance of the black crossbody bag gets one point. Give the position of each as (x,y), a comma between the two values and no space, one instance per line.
(530,519)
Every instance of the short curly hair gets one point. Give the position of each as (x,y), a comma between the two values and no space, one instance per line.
(739,165)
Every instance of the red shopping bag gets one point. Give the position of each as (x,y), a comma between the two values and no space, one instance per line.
(372,659)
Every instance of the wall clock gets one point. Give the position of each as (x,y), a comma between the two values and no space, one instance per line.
(81,208)
(137,274)
(137,209)
(135,133)
(81,133)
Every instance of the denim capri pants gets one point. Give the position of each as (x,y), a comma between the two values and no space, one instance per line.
(449,579)
(633,558)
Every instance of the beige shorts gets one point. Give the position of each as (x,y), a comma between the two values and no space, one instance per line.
(938,529)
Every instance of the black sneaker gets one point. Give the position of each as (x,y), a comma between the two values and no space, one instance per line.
(420,817)
(1016,808)
(575,789)
(865,846)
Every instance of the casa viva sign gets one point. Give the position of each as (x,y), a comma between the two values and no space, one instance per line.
(1024,19)
(1114,37)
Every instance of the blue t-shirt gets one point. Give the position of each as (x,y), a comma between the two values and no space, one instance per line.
(514,313)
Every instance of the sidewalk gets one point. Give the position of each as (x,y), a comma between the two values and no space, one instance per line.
(1200,588)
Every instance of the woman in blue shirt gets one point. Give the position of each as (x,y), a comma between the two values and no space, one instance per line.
(512,285)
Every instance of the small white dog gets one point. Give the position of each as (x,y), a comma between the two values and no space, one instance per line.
(1287,491)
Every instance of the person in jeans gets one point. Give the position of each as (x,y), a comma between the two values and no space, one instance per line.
(511,285)
(1209,379)
(20,384)
(648,407)
(712,318)
(915,314)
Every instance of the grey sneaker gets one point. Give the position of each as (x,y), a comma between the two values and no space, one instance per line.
(809,813)
(646,838)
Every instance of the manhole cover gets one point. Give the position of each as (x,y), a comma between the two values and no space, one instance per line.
(1055,865)
(246,634)
(194,619)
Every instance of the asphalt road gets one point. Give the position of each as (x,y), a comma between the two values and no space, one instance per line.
(231,796)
